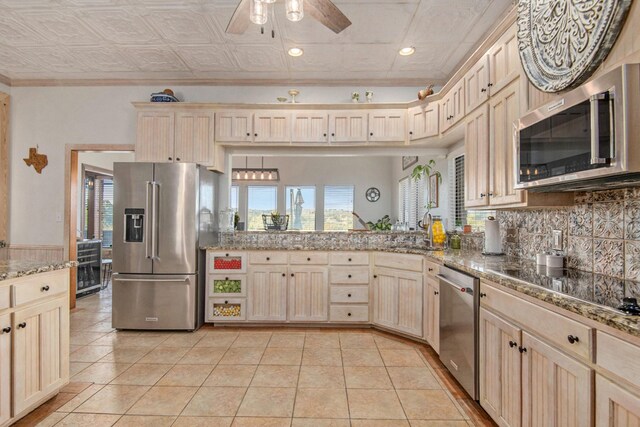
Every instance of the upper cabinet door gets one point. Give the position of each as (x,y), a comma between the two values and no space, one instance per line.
(477,84)
(423,121)
(504,61)
(194,137)
(387,125)
(476,158)
(348,126)
(155,136)
(234,126)
(458,101)
(272,126)
(310,126)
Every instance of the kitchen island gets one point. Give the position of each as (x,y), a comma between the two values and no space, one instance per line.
(34,334)
(547,345)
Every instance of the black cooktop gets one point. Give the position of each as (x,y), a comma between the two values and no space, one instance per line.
(617,294)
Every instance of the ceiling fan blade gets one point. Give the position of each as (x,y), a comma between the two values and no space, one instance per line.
(328,14)
(239,22)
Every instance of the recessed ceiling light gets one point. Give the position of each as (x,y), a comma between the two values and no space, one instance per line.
(295,51)
(406,51)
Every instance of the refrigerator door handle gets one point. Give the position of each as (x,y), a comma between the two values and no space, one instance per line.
(155,196)
(148,246)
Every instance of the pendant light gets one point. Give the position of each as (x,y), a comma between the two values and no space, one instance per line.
(255,174)
(258,12)
(295,11)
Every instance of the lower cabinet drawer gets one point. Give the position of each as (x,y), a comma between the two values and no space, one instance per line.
(349,313)
(227,285)
(268,258)
(309,258)
(399,261)
(5,297)
(226,309)
(40,286)
(349,258)
(350,294)
(348,275)
(618,357)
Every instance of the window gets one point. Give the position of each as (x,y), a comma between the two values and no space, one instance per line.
(98,208)
(338,207)
(461,216)
(234,197)
(301,207)
(261,200)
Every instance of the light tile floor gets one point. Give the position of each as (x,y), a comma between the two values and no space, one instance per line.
(250,377)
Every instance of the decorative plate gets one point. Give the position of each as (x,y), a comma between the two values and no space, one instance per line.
(372,194)
(163,97)
(562,42)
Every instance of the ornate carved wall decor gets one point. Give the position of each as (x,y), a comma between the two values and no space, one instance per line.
(562,42)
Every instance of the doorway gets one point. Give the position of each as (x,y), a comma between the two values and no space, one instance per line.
(88,197)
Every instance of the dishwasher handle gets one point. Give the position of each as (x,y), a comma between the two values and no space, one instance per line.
(455,285)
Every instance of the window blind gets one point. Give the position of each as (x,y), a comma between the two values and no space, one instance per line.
(459,213)
(338,207)
(261,200)
(234,198)
(106,212)
(301,207)
(404,200)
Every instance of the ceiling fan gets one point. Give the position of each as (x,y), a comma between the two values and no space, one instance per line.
(255,11)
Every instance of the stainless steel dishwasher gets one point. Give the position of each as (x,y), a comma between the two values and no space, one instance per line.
(459,305)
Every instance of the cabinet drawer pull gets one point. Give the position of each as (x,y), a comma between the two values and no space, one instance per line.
(349,295)
(6,330)
(512,344)
(482,295)
(22,325)
(573,339)
(226,302)
(308,259)
(45,288)
(268,258)
(226,254)
(522,349)
(349,314)
(349,276)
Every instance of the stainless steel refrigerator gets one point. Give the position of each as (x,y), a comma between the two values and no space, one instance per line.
(162,213)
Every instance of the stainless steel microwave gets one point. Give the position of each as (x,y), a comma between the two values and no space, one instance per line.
(588,139)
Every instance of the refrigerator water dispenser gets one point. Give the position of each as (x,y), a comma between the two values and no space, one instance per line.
(133,225)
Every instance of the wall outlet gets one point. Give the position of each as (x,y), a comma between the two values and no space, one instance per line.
(58,217)
(512,235)
(557,240)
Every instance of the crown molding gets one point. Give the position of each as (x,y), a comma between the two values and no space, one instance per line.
(413,82)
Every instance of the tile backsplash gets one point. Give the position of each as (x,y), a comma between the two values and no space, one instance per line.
(601,232)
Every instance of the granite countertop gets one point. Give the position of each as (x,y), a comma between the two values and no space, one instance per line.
(10,269)
(583,293)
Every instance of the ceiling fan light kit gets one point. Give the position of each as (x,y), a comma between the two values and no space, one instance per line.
(295,10)
(258,12)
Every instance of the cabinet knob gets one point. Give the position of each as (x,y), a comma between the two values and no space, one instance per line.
(483,90)
(255,134)
(375,276)
(178,158)
(291,274)
(349,276)
(522,349)
(324,134)
(6,330)
(22,325)
(430,269)
(349,259)
(482,195)
(226,302)
(436,293)
(268,258)
(482,295)
(410,132)
(170,158)
(226,278)
(226,254)
(333,134)
(349,314)
(283,275)
(349,295)
(490,194)
(45,288)
(512,344)
(308,259)
(573,339)
(371,134)
(490,84)
(248,134)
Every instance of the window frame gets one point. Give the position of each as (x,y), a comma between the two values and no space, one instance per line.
(324,204)
(248,190)
(315,205)
(97,173)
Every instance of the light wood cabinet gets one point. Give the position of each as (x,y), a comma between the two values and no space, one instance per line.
(500,369)
(176,136)
(504,110)
(556,389)
(155,136)
(432,313)
(397,299)
(40,352)
(387,126)
(348,126)
(424,121)
(476,83)
(476,158)
(271,126)
(504,61)
(615,406)
(5,367)
(309,126)
(234,126)
(308,294)
(452,106)
(267,293)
